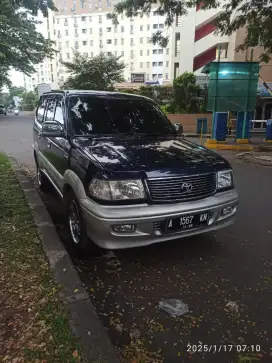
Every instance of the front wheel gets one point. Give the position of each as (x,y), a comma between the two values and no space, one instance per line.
(76,224)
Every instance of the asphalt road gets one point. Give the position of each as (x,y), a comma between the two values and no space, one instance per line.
(206,272)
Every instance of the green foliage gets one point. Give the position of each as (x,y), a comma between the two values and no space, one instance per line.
(186,93)
(97,73)
(30,101)
(21,46)
(255,15)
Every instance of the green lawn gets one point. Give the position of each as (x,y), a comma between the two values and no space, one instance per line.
(33,322)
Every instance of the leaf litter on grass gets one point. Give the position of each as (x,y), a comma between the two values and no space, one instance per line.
(33,326)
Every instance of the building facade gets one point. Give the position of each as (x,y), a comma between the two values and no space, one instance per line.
(82,26)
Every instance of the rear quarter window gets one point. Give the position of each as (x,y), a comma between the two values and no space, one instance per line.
(41,109)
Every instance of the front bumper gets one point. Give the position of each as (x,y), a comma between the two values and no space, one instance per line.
(100,219)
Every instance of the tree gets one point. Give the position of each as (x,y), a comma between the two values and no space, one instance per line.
(255,14)
(30,100)
(186,93)
(97,73)
(21,46)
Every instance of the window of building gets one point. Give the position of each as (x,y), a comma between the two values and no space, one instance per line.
(108,3)
(108,41)
(148,27)
(84,31)
(100,18)
(115,29)
(141,64)
(83,4)
(122,29)
(109,53)
(141,40)
(68,55)
(91,43)
(76,44)
(85,54)
(154,76)
(115,41)
(67,43)
(131,41)
(147,77)
(155,51)
(66,33)
(161,26)
(160,51)
(167,50)
(154,64)
(131,29)
(84,42)
(166,75)
(148,52)
(91,31)
(91,54)
(155,26)
(90,19)
(160,76)
(122,41)
(167,64)
(155,13)
(147,64)
(141,28)
(122,53)
(83,18)
(57,21)
(109,29)
(131,54)
(160,64)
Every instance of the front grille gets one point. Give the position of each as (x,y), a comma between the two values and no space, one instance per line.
(175,189)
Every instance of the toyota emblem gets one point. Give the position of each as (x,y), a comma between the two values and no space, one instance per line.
(186,187)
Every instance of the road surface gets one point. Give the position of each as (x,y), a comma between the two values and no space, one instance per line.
(206,272)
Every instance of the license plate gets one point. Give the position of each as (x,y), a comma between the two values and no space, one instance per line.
(187,222)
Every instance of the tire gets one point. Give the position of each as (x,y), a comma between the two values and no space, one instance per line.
(76,226)
(42,181)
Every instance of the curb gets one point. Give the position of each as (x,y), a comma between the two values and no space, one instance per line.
(84,321)
(250,158)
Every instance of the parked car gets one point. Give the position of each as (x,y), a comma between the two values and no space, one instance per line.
(125,174)
(3,110)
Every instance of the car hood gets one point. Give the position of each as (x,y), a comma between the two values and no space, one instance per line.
(154,156)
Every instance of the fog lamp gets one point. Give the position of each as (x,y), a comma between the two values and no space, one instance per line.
(124,228)
(226,210)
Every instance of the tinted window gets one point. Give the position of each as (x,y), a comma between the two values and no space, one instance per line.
(41,109)
(98,115)
(59,111)
(50,109)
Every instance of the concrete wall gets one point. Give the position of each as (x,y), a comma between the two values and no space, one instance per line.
(189,120)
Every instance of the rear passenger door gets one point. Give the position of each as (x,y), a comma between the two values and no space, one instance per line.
(57,148)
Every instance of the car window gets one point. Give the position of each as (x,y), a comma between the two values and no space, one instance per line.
(59,111)
(41,109)
(101,115)
(49,116)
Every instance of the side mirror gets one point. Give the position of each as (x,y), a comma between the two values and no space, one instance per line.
(179,128)
(52,128)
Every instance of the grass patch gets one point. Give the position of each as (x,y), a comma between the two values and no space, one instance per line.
(34,326)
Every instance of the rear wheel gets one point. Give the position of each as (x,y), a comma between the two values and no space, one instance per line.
(42,181)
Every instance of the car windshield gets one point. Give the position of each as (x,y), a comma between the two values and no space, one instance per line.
(100,115)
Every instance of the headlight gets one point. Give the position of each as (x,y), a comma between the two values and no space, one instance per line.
(224,179)
(117,190)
